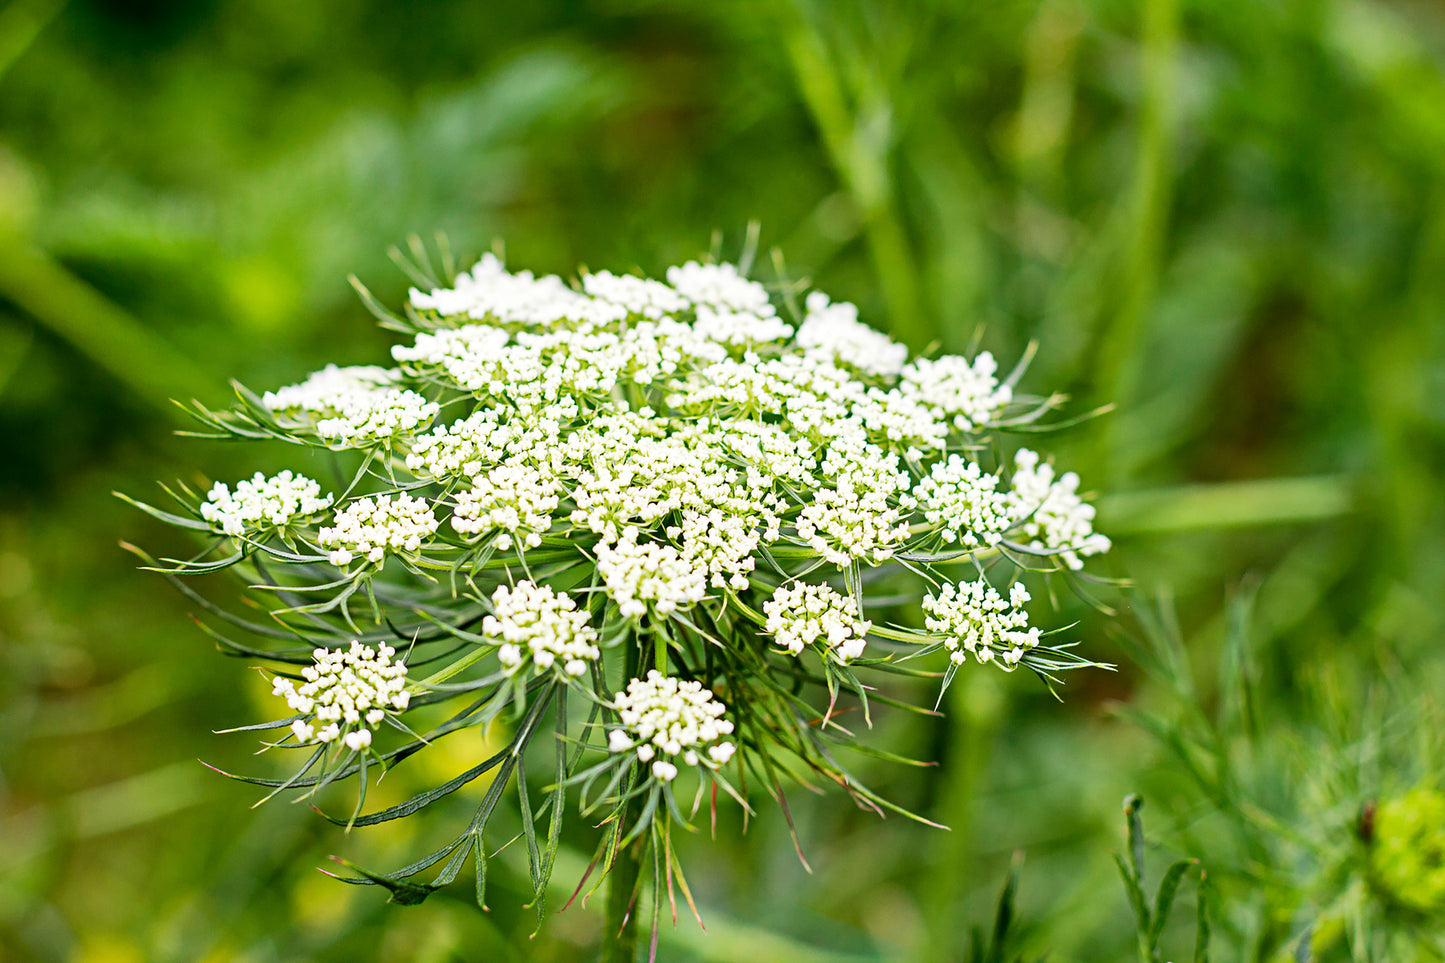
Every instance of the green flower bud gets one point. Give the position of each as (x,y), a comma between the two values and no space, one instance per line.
(1407,860)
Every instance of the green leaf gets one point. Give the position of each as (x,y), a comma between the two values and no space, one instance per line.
(1164,902)
(167,517)
(421,800)
(1004,918)
(377,309)
(529,828)
(947,681)
(1136,895)
(558,801)
(480,859)
(453,867)
(1236,704)
(403,892)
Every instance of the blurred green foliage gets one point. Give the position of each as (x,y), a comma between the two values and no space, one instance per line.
(1226,217)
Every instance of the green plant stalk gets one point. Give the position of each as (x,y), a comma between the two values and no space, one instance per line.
(619,929)
(619,935)
(976,705)
(863,168)
(1146,218)
(105,333)
(20,24)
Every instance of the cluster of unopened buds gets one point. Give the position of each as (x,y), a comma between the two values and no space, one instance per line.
(534,623)
(803,614)
(346,694)
(666,721)
(262,503)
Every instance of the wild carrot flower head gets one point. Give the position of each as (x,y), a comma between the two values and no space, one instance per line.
(676,487)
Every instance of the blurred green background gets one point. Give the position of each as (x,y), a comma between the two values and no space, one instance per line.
(1225,216)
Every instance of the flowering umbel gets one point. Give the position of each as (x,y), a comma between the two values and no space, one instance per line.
(671,521)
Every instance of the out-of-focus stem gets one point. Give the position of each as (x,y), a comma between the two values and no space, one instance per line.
(976,705)
(860,157)
(106,334)
(1122,340)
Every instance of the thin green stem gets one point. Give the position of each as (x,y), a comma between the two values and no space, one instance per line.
(619,932)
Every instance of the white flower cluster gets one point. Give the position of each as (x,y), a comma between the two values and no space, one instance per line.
(666,720)
(322,388)
(720,545)
(346,695)
(858,516)
(964,502)
(816,399)
(534,622)
(668,452)
(489,292)
(639,576)
(802,614)
(642,296)
(967,394)
(740,328)
(369,527)
(513,498)
(833,332)
(475,444)
(352,406)
(720,286)
(262,503)
(976,620)
(1051,511)
(681,431)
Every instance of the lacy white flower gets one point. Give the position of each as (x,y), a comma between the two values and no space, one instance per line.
(470,447)
(720,286)
(858,516)
(644,296)
(720,544)
(534,622)
(802,614)
(488,291)
(515,499)
(958,496)
(321,390)
(370,527)
(1052,513)
(969,395)
(352,406)
(638,480)
(974,619)
(667,720)
(262,503)
(527,370)
(740,328)
(674,451)
(833,332)
(470,355)
(639,576)
(346,695)
(769,454)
